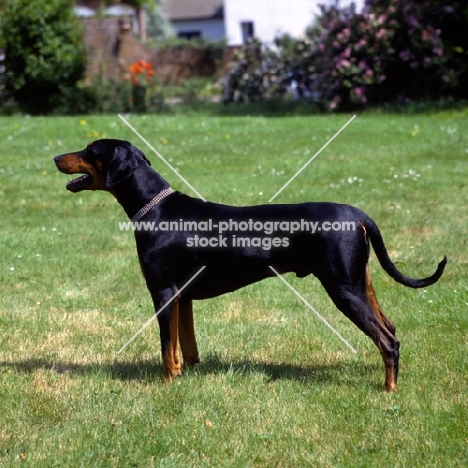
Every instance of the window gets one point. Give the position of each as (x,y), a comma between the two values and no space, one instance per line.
(189,34)
(248,32)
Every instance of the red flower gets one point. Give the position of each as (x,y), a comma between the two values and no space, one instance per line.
(141,67)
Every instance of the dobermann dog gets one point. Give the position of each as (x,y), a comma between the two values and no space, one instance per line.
(169,258)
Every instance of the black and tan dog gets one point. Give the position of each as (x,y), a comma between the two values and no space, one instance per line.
(169,258)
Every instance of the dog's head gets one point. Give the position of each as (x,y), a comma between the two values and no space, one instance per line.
(104,164)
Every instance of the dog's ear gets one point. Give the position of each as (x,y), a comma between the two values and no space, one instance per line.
(121,166)
(142,155)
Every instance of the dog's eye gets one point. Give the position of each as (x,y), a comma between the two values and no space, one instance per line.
(88,154)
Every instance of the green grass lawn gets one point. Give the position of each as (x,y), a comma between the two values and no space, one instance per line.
(275,387)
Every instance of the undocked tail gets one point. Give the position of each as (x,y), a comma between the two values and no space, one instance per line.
(381,252)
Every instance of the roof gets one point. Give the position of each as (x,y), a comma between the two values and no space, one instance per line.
(180,10)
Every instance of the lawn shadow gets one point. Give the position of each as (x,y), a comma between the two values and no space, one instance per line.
(349,373)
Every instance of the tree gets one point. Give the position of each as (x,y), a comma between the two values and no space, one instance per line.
(158,27)
(44,52)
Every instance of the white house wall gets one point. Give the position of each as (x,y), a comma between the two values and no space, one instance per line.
(269,18)
(272,17)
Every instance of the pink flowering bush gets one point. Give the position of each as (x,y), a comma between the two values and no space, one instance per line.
(392,51)
(348,59)
(428,54)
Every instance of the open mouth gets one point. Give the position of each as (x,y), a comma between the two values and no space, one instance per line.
(80,183)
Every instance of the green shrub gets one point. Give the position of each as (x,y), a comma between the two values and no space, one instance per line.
(45,55)
(244,81)
(109,97)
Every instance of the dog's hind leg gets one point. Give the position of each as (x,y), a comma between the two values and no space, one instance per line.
(188,342)
(388,326)
(359,304)
(370,292)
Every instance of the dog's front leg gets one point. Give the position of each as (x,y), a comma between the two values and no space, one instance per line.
(188,342)
(168,329)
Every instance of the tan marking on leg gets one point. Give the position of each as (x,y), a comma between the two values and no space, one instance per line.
(371,296)
(170,357)
(388,330)
(175,339)
(390,384)
(363,228)
(188,342)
